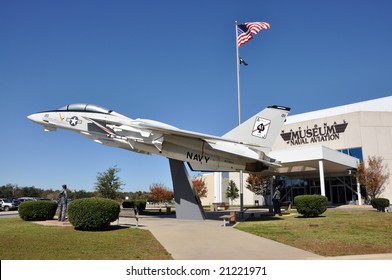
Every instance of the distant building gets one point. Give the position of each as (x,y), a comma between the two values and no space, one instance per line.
(320,151)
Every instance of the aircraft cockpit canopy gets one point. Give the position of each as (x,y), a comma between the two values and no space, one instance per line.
(81,107)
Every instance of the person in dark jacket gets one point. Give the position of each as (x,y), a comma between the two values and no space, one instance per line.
(276,201)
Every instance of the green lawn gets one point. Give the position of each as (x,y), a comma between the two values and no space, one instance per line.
(22,240)
(335,233)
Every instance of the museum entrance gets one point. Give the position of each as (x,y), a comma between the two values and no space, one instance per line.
(338,189)
(295,187)
(338,195)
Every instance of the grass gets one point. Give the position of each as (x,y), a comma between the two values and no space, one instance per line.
(22,240)
(334,233)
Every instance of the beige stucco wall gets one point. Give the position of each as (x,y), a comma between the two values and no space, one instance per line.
(376,137)
(209,181)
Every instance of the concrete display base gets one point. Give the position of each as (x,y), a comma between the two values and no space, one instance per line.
(188,205)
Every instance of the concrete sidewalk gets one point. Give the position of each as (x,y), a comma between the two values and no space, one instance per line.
(209,240)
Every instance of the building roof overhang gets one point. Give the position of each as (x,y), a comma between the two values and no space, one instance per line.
(306,160)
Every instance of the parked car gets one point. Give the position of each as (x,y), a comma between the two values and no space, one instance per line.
(6,204)
(23,199)
(16,201)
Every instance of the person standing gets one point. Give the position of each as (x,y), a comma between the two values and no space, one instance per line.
(276,201)
(62,200)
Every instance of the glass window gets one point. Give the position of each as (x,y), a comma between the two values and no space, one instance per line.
(97,109)
(354,152)
(357,153)
(225,175)
(81,107)
(77,107)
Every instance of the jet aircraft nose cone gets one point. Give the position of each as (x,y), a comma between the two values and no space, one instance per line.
(34,118)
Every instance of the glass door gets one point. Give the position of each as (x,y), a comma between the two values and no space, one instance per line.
(338,194)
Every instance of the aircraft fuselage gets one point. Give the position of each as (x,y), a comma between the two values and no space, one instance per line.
(202,152)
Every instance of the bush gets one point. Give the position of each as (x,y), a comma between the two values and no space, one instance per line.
(93,213)
(380,203)
(140,204)
(40,210)
(311,205)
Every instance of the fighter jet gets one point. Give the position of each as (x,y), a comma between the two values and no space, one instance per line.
(244,148)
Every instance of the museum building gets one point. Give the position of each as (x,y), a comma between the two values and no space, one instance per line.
(320,152)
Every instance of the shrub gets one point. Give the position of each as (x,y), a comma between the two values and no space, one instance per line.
(380,203)
(140,204)
(93,213)
(127,204)
(311,205)
(40,210)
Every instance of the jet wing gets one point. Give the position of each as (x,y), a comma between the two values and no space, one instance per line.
(243,150)
(171,130)
(217,143)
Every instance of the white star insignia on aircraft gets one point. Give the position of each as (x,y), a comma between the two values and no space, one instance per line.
(74,121)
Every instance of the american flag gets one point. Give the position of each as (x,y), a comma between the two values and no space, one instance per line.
(248,29)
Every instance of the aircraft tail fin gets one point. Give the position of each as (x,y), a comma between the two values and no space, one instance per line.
(261,129)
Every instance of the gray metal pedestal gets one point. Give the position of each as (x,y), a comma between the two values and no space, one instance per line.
(188,205)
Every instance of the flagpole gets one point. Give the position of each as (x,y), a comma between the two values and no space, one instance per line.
(238,74)
(239,114)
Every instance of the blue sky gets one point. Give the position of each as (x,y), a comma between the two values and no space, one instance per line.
(173,61)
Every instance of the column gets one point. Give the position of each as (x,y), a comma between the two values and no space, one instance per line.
(322,180)
(218,186)
(359,192)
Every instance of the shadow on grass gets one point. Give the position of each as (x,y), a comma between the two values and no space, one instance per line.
(125,225)
(272,217)
(108,228)
(155,212)
(312,217)
(265,218)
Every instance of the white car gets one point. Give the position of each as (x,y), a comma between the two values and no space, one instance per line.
(6,204)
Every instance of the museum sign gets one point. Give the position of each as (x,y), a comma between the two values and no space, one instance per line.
(317,134)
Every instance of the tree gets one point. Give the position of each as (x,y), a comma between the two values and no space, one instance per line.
(9,190)
(373,175)
(31,192)
(199,185)
(159,193)
(138,195)
(13,190)
(108,183)
(83,194)
(232,191)
(258,184)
